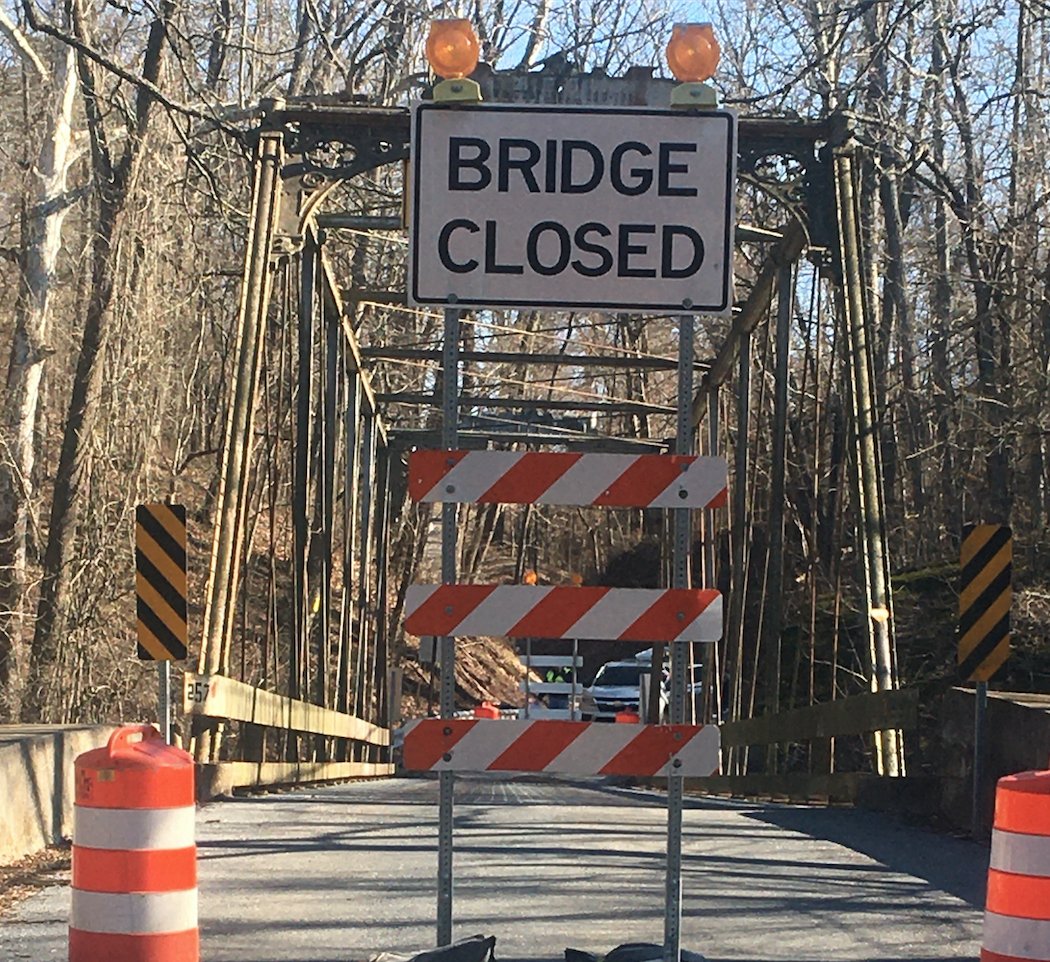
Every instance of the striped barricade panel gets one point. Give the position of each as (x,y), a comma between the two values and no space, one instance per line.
(160,581)
(539,611)
(568,478)
(985,596)
(560,747)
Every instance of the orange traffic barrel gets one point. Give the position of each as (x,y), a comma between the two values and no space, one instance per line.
(1017,911)
(134,853)
(486,710)
(628,717)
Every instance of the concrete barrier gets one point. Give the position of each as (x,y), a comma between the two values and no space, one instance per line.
(36,775)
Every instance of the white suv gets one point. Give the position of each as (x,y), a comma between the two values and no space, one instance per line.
(615,689)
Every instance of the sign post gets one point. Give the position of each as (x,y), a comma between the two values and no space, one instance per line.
(680,650)
(446,780)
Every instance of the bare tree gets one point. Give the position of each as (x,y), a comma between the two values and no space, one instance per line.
(47,204)
(114,178)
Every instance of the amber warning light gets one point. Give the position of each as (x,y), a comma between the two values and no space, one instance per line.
(693,52)
(452,52)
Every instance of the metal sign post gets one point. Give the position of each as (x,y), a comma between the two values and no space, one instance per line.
(980,758)
(574,703)
(679,649)
(446,786)
(164,698)
(528,672)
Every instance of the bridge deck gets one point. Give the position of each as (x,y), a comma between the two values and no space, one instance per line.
(345,872)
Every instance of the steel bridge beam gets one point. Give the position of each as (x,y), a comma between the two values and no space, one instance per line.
(617,361)
(542,404)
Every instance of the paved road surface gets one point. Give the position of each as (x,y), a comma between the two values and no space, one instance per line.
(338,874)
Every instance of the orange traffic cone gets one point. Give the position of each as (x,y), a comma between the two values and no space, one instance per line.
(134,855)
(1017,911)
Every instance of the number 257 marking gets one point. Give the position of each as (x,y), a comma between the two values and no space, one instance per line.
(197,692)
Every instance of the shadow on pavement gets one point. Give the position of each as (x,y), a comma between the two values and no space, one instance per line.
(956,866)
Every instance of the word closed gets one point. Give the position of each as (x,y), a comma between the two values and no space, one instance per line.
(602,208)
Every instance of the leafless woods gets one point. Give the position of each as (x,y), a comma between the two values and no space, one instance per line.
(125,204)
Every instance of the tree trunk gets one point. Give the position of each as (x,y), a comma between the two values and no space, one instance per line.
(896,295)
(940,320)
(43,242)
(113,184)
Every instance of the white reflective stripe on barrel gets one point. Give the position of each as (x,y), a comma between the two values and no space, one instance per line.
(138,913)
(134,828)
(1021,854)
(1019,938)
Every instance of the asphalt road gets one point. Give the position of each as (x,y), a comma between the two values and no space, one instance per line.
(343,873)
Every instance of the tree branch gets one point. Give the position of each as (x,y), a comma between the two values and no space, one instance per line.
(22,47)
(50,30)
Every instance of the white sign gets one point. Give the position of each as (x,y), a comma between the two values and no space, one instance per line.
(606,208)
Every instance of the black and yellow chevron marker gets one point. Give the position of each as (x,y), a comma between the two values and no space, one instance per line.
(160,581)
(984,600)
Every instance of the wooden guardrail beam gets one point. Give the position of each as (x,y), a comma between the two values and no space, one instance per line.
(796,787)
(216,696)
(856,715)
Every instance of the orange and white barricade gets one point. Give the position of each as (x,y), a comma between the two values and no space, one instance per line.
(134,853)
(1017,911)
(559,747)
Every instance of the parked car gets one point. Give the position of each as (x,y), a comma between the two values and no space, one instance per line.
(616,688)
